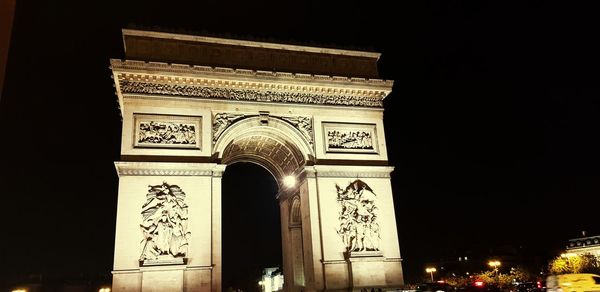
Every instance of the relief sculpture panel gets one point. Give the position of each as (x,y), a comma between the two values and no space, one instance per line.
(358,228)
(350,138)
(304,124)
(222,121)
(164,225)
(156,131)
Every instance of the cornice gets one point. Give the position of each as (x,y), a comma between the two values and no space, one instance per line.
(135,66)
(349,171)
(167,169)
(176,80)
(245,43)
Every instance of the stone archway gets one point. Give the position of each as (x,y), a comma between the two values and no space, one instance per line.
(270,141)
(279,148)
(182,126)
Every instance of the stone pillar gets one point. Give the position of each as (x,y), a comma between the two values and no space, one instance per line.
(190,272)
(357,226)
(291,237)
(216,246)
(311,231)
(286,248)
(296,244)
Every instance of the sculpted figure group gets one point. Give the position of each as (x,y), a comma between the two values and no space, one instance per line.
(164,223)
(358,219)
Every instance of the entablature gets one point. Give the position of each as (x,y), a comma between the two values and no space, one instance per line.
(152,78)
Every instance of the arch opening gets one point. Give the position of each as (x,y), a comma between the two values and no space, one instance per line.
(251,227)
(280,152)
(274,144)
(277,149)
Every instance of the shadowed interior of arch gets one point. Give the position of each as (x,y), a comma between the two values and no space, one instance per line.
(251,225)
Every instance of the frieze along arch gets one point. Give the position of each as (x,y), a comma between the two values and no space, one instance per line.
(286,108)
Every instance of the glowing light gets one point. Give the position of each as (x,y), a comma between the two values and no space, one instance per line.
(104,289)
(568,255)
(289,181)
(19,290)
(494,264)
(430,271)
(479,283)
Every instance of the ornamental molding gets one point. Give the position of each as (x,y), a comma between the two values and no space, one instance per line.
(223,120)
(248,85)
(353,174)
(145,67)
(349,171)
(164,172)
(166,169)
(304,124)
(244,94)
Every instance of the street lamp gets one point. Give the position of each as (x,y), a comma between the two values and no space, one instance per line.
(430,271)
(494,264)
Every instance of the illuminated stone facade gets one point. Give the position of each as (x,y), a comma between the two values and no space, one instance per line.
(584,245)
(182,126)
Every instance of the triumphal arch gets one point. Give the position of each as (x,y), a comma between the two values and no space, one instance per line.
(313,117)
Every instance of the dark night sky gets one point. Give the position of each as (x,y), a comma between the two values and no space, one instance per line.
(492,124)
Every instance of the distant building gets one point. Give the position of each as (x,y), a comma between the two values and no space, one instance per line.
(272,280)
(582,245)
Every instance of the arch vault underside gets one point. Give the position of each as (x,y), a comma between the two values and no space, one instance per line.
(182,126)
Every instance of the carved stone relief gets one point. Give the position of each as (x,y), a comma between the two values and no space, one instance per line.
(303,124)
(164,223)
(359,228)
(167,131)
(352,138)
(222,121)
(137,87)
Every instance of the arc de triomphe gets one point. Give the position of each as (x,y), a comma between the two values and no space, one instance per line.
(192,105)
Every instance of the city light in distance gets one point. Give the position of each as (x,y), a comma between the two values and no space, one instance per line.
(430,271)
(568,255)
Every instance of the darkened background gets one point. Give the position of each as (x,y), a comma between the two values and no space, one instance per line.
(492,124)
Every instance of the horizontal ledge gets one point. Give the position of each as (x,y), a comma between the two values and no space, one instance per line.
(246,43)
(349,171)
(139,67)
(203,268)
(334,262)
(168,169)
(129,271)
